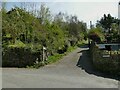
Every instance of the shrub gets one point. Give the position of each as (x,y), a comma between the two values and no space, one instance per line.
(14,56)
(96,35)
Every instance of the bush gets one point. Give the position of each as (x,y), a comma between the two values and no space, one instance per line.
(96,35)
(14,56)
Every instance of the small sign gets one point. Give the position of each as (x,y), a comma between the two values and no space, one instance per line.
(44,48)
(106,56)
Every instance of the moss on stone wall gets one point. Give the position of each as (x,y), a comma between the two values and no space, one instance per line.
(19,57)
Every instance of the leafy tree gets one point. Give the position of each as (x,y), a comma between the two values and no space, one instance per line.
(44,14)
(106,22)
(110,27)
(96,35)
(23,28)
(76,28)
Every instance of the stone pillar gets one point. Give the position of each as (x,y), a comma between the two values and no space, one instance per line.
(119,16)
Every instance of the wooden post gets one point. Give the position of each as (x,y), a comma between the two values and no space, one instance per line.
(42,54)
(43,57)
(88,42)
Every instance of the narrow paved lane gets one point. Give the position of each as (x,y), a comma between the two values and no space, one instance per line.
(73,71)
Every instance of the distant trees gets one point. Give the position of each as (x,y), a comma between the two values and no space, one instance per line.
(75,30)
(44,14)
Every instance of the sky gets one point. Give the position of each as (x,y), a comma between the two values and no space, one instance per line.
(85,11)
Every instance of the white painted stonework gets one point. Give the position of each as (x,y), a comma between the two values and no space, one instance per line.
(119,10)
(119,15)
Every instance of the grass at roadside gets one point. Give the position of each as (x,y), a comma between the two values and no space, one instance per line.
(52,59)
(82,43)
(57,57)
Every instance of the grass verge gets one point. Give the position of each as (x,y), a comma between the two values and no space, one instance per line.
(56,57)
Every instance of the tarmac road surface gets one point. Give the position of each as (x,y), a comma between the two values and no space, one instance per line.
(74,71)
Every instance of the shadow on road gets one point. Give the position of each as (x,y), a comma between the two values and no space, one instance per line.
(86,64)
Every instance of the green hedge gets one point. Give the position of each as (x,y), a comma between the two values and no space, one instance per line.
(19,56)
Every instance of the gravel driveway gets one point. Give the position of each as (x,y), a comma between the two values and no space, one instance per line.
(74,71)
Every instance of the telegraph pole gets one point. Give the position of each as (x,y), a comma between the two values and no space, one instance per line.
(90,24)
(88,37)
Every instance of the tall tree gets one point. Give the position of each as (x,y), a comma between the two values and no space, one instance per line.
(44,14)
(106,22)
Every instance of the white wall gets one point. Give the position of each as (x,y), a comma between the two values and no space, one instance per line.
(119,10)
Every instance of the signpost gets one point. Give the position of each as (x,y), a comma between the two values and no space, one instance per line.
(44,48)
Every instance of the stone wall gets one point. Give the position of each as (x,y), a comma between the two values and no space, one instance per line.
(106,62)
(19,57)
